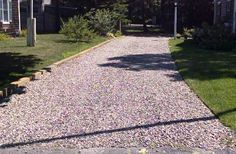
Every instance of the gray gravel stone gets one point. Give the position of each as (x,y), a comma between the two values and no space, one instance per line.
(126,93)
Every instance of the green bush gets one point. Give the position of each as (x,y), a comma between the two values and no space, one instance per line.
(77,29)
(214,37)
(3,36)
(102,21)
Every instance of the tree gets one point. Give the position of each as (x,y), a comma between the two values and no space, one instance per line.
(144,10)
(120,8)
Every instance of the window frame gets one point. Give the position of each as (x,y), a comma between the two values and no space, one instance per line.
(3,11)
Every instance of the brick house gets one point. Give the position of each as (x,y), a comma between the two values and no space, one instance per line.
(9,15)
(225,13)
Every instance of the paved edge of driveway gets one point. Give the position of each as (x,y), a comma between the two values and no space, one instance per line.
(16,86)
(163,150)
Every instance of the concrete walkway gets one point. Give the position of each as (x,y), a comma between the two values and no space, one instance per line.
(124,94)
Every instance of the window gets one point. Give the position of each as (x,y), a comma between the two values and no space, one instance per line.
(5,10)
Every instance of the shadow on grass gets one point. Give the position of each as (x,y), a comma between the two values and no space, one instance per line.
(116,130)
(200,64)
(14,65)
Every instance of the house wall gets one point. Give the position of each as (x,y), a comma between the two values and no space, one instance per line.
(47,15)
(14,26)
(234,18)
(225,11)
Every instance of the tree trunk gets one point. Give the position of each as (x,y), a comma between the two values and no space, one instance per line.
(120,25)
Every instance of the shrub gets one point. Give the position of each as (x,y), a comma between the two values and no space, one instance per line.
(110,35)
(3,36)
(102,21)
(214,37)
(188,33)
(23,33)
(118,33)
(178,35)
(77,29)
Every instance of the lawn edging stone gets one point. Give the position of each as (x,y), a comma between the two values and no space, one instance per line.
(22,82)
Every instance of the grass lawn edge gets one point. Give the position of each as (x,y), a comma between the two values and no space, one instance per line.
(218,114)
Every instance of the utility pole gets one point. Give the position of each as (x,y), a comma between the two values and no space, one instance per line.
(175,20)
(31,27)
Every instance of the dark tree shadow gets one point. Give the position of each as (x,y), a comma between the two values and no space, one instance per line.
(141,62)
(192,63)
(15,65)
(116,130)
(200,64)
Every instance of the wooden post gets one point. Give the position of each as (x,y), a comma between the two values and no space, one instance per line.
(175,20)
(31,27)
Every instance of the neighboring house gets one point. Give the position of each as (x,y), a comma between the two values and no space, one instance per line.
(48,14)
(9,16)
(14,13)
(225,13)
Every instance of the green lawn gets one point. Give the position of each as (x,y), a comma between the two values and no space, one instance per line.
(17,60)
(212,75)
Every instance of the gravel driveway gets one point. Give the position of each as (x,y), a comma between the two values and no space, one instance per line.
(126,93)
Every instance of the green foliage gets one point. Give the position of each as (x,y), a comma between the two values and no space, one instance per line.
(214,37)
(23,33)
(102,21)
(77,29)
(120,9)
(188,33)
(4,37)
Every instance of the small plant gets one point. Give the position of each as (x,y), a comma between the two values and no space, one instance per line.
(77,29)
(23,33)
(188,33)
(110,35)
(178,35)
(4,36)
(102,21)
(118,33)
